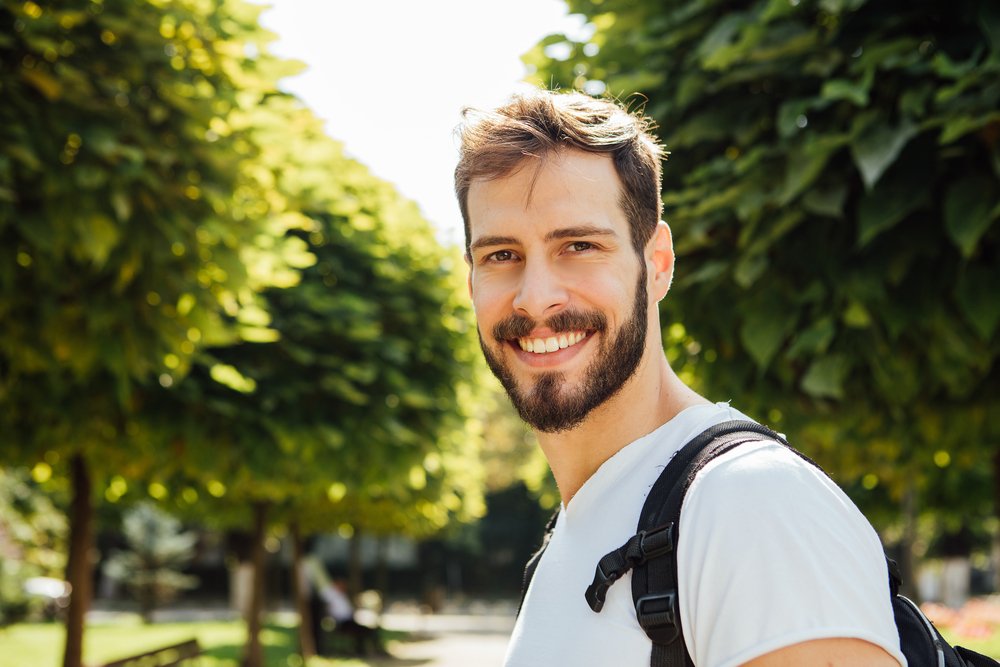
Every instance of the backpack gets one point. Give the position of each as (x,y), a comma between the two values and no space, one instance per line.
(650,555)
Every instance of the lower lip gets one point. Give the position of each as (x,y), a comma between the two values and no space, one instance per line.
(549,359)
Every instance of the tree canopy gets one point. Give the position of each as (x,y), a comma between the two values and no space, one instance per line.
(361,388)
(160,200)
(833,191)
(129,210)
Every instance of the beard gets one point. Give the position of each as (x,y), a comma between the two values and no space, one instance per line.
(547,405)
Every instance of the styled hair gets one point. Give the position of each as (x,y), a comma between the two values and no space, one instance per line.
(532,125)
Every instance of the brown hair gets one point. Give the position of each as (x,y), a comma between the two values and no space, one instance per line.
(495,143)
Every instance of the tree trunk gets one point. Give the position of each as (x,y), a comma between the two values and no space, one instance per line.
(254,655)
(79,568)
(996,512)
(381,573)
(306,646)
(907,564)
(354,569)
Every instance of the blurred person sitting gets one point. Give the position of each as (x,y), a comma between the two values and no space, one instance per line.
(328,599)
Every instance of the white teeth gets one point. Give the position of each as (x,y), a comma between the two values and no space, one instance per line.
(551,344)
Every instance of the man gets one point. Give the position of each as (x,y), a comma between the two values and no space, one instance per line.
(568,258)
(328,599)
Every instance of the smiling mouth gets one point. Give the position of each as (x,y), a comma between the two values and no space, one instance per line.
(552,343)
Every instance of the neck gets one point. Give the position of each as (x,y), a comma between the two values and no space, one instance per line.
(651,398)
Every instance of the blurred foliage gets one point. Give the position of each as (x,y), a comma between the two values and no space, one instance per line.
(355,410)
(833,191)
(159,201)
(32,542)
(31,523)
(510,450)
(132,214)
(151,567)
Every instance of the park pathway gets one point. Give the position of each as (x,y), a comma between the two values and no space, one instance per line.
(451,640)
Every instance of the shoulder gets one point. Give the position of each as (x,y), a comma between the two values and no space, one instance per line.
(762,476)
(772,553)
(766,494)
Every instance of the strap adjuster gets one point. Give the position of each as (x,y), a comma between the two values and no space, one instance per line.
(641,547)
(657,615)
(597,592)
(656,542)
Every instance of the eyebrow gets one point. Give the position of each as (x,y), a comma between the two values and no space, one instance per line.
(583,230)
(487,241)
(562,233)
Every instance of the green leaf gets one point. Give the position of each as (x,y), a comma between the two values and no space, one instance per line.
(855,92)
(801,170)
(98,237)
(878,146)
(828,201)
(814,340)
(25,155)
(762,333)
(913,102)
(788,116)
(719,38)
(857,316)
(43,82)
(976,294)
(968,210)
(122,205)
(887,205)
(749,268)
(229,376)
(959,126)
(707,272)
(949,69)
(825,377)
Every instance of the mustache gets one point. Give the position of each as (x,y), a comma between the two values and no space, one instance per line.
(519,326)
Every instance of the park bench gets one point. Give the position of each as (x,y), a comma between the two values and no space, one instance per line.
(167,656)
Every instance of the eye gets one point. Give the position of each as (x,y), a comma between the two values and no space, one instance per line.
(500,256)
(580,246)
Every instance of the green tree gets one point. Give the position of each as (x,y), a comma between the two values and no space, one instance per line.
(351,405)
(833,192)
(151,566)
(132,223)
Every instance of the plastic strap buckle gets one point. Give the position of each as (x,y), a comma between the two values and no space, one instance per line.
(597,592)
(657,614)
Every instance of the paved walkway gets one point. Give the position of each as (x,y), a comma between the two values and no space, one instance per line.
(472,635)
(451,640)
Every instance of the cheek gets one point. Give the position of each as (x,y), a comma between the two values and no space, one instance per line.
(488,298)
(610,293)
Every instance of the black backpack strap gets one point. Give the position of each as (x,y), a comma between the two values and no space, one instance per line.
(654,589)
(532,564)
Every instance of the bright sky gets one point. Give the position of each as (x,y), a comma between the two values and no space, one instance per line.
(390,78)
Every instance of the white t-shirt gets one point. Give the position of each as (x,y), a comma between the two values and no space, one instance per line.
(771,553)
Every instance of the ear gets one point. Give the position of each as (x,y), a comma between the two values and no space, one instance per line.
(660,259)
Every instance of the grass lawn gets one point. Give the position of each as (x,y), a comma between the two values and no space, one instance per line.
(41,644)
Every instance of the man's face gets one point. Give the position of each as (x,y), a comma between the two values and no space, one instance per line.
(560,295)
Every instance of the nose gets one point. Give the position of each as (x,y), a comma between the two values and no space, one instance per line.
(541,292)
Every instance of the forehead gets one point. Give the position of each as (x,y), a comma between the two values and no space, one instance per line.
(564,187)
